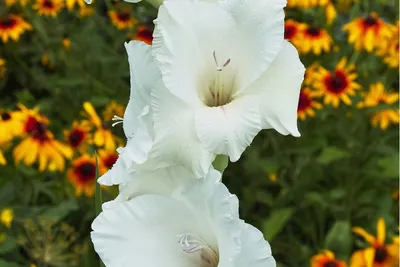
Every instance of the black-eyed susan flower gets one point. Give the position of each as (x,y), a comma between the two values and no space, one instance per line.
(79,135)
(12,27)
(315,39)
(39,144)
(102,136)
(330,11)
(389,49)
(82,174)
(326,259)
(145,34)
(113,109)
(377,95)
(293,31)
(367,32)
(336,86)
(307,104)
(379,254)
(70,4)
(3,68)
(6,217)
(11,125)
(48,7)
(122,18)
(108,158)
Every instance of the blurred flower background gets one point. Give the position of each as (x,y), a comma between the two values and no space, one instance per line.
(327,199)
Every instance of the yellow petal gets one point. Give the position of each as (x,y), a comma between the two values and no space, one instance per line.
(361,232)
(381,231)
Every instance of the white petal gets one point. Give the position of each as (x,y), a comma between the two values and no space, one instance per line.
(118,173)
(175,137)
(229,129)
(144,232)
(255,251)
(144,76)
(140,144)
(212,202)
(278,91)
(260,24)
(191,31)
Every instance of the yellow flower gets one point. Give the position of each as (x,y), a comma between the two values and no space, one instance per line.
(145,34)
(108,158)
(79,135)
(307,104)
(307,3)
(315,39)
(389,48)
(375,96)
(102,136)
(2,159)
(310,73)
(113,109)
(66,43)
(11,125)
(330,12)
(12,27)
(85,11)
(71,3)
(39,144)
(379,254)
(336,86)
(13,2)
(326,259)
(367,33)
(82,174)
(48,7)
(293,31)
(6,217)
(3,68)
(122,18)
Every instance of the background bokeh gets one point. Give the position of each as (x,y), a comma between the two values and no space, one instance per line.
(64,74)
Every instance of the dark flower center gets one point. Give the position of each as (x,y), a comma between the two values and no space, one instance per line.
(304,101)
(370,21)
(336,82)
(40,132)
(380,255)
(48,3)
(290,31)
(5,116)
(330,264)
(7,22)
(110,160)
(86,171)
(124,16)
(314,31)
(146,35)
(76,137)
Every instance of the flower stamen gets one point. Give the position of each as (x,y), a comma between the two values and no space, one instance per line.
(192,244)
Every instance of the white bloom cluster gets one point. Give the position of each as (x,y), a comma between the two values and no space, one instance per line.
(218,72)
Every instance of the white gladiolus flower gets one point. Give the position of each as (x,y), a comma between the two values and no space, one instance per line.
(228,72)
(145,150)
(198,226)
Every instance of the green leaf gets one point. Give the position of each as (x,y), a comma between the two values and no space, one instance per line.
(4,263)
(275,223)
(62,210)
(8,245)
(221,162)
(389,166)
(330,154)
(339,239)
